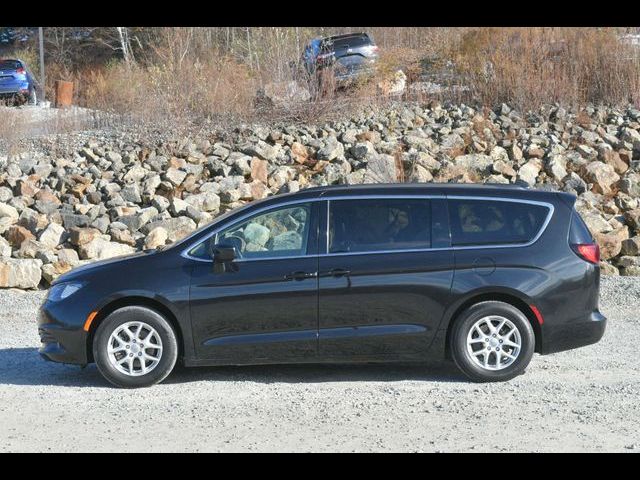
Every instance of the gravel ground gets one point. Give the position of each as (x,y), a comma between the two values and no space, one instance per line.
(583,400)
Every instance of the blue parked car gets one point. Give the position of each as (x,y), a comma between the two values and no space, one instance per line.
(16,82)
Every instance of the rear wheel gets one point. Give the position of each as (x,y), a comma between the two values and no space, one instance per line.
(33,97)
(492,341)
(135,347)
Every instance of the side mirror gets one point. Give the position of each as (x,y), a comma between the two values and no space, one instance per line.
(221,253)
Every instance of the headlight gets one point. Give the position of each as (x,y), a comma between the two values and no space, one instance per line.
(63,290)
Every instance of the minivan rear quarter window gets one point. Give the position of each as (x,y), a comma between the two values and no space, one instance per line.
(493,222)
(379,225)
(579,232)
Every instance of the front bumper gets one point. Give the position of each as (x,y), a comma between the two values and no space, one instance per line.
(59,342)
(566,336)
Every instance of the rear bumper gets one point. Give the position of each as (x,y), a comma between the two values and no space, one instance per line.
(59,343)
(557,338)
(14,88)
(354,74)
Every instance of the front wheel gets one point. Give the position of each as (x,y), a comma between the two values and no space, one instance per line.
(135,347)
(492,341)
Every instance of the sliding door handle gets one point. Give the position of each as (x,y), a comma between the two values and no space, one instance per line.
(336,272)
(300,275)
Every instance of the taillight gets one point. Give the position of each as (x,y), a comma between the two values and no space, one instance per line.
(20,70)
(588,251)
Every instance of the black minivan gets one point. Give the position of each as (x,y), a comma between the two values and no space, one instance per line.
(483,274)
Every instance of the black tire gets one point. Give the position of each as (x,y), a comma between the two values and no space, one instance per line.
(464,323)
(168,357)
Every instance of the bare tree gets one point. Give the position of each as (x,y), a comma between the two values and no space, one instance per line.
(125,44)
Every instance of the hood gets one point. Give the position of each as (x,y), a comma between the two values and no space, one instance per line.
(83,271)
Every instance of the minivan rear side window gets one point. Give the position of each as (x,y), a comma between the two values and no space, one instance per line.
(371,225)
(487,222)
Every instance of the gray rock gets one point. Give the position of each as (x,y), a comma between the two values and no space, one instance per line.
(256,234)
(8,211)
(205,201)
(70,220)
(631,246)
(283,94)
(156,238)
(287,241)
(556,167)
(68,256)
(176,228)
(178,206)
(175,176)
(362,150)
(100,249)
(135,174)
(20,273)
(529,171)
(630,184)
(381,169)
(602,175)
(331,150)
(595,222)
(475,163)
(574,184)
(131,193)
(5,248)
(52,236)
(262,150)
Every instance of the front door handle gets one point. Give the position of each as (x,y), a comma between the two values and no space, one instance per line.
(336,272)
(300,275)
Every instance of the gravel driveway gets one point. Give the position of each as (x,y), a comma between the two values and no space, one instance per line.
(586,399)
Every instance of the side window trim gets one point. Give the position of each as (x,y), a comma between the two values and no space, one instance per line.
(323,246)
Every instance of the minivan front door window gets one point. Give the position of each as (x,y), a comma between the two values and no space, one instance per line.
(277,233)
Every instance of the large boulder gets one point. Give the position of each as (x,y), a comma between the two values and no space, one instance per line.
(478,163)
(156,238)
(611,243)
(101,248)
(205,201)
(631,246)
(381,169)
(394,84)
(20,273)
(602,175)
(53,235)
(282,94)
(176,228)
(331,150)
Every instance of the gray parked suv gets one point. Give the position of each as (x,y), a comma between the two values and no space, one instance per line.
(349,56)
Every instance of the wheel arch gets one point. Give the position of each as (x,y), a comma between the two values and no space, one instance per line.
(509,297)
(134,301)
